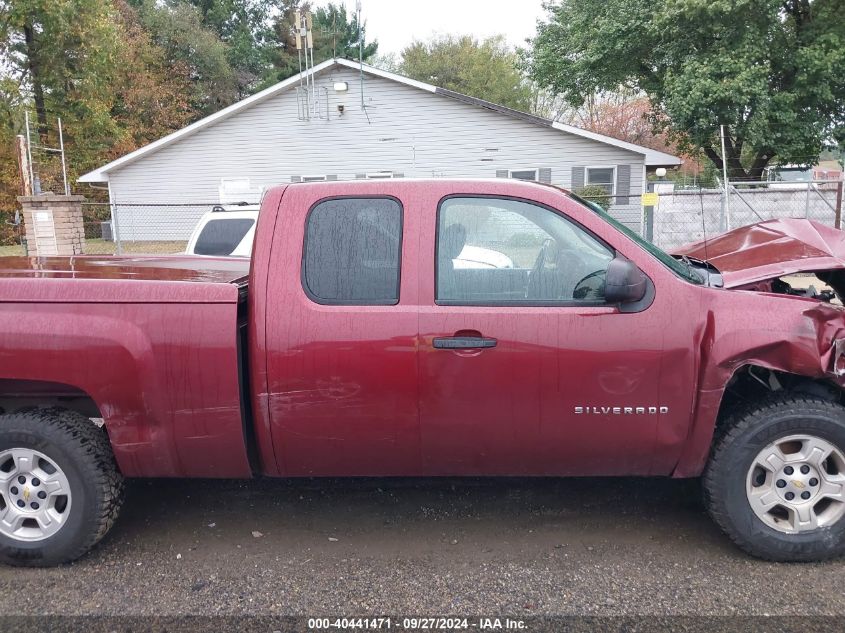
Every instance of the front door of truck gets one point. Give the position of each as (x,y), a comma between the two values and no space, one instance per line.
(342,335)
(523,367)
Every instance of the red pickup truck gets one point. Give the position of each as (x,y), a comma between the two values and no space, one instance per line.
(435,327)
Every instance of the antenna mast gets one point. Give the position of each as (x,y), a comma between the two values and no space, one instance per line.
(300,38)
(361,52)
(35,175)
(309,41)
(308,104)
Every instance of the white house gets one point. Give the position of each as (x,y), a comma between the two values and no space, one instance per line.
(343,120)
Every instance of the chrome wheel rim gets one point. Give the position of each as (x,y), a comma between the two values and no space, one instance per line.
(35,495)
(797,484)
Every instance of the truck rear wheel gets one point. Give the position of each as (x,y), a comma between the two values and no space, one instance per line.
(60,491)
(775,482)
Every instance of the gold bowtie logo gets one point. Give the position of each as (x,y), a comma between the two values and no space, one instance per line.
(26,493)
(797,484)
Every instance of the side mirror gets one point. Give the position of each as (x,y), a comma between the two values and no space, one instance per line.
(624,282)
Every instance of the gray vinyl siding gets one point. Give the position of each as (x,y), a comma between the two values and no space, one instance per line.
(406,130)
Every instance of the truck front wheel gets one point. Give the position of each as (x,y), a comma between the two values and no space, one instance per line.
(775,482)
(60,490)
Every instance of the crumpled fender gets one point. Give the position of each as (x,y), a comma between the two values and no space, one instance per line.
(783,333)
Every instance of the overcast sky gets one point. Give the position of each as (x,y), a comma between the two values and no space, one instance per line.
(396,23)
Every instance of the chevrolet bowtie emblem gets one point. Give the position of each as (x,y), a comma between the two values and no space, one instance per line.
(797,484)
(26,493)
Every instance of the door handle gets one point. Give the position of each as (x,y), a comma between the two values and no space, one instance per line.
(464,342)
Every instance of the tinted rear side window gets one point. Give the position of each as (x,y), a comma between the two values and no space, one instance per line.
(352,251)
(221,237)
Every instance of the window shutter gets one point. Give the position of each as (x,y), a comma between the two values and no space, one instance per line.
(360,176)
(623,184)
(331,177)
(296,178)
(501,173)
(545,175)
(577,178)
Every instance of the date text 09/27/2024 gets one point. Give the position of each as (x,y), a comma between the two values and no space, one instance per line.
(417,624)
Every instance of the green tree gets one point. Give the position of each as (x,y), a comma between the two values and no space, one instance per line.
(176,27)
(769,70)
(60,57)
(12,103)
(245,26)
(151,93)
(336,35)
(487,69)
(94,64)
(60,52)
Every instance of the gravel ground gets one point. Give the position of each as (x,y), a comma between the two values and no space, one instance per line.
(344,547)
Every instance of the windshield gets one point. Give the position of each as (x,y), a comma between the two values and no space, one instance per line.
(679,267)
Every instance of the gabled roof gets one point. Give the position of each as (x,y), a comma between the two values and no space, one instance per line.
(653,158)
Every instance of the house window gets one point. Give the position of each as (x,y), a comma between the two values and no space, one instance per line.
(379,174)
(524,174)
(604,177)
(352,251)
(312,178)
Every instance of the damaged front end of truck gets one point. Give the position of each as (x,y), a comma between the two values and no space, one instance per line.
(793,257)
(780,329)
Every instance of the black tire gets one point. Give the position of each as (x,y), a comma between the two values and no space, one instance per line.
(741,438)
(82,452)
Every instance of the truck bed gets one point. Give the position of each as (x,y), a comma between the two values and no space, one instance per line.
(124,279)
(166,329)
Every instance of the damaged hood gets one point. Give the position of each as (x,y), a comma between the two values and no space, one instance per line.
(771,249)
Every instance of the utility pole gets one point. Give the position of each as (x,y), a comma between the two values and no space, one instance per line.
(62,153)
(334,33)
(29,153)
(23,165)
(839,186)
(727,184)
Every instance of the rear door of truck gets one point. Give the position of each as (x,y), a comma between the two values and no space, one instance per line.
(341,334)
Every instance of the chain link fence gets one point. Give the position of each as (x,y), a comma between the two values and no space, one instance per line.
(685,216)
(115,229)
(143,228)
(11,232)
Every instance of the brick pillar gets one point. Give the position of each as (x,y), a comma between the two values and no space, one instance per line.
(53,224)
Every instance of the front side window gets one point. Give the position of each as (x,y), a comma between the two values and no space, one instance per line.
(603,177)
(497,251)
(352,251)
